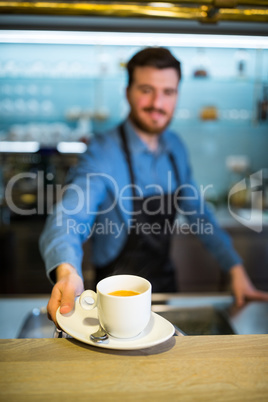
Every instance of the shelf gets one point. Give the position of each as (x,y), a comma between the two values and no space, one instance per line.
(72,147)
(122,77)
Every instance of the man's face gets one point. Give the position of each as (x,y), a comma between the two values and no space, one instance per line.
(152,98)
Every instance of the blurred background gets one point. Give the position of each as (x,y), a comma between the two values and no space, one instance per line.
(62,80)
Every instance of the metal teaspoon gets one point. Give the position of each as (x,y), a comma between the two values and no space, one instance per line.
(99,336)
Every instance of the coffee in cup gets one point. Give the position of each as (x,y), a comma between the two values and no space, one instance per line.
(124,293)
(123,302)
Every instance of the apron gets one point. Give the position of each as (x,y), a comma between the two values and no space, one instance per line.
(146,254)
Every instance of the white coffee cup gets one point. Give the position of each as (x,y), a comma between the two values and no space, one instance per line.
(120,316)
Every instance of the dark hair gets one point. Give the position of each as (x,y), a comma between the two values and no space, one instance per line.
(158,57)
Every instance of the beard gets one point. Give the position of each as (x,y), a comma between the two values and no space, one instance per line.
(147,128)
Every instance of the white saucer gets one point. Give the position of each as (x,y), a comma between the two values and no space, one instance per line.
(81,323)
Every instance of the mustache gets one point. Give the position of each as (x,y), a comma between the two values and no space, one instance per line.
(152,109)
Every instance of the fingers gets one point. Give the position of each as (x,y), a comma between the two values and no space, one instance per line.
(67,300)
(54,304)
(239,299)
(63,296)
(259,295)
(243,288)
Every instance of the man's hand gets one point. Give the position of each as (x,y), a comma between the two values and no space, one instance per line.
(69,285)
(243,288)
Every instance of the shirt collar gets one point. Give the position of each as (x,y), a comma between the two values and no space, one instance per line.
(135,143)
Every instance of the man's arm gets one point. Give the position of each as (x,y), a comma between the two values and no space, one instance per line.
(61,241)
(217,241)
(69,223)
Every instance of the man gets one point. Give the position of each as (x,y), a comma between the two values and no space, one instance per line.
(126,192)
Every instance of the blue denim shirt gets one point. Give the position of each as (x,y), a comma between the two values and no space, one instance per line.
(97,203)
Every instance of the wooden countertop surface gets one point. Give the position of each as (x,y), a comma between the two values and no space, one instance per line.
(198,368)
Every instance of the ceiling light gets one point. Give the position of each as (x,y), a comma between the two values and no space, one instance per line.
(133,39)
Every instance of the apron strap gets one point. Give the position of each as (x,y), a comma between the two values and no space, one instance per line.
(127,155)
(130,167)
(175,168)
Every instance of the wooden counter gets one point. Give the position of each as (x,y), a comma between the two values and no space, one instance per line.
(199,368)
